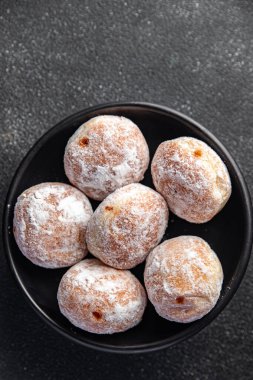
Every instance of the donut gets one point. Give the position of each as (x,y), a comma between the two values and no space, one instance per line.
(192,178)
(50,221)
(127,225)
(105,153)
(100,299)
(183,278)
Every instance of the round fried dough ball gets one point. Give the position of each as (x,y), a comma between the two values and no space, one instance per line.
(105,153)
(192,178)
(49,225)
(100,299)
(127,225)
(183,278)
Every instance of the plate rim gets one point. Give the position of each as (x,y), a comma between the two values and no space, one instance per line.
(240,268)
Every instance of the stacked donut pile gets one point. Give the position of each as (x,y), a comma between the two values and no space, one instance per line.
(55,226)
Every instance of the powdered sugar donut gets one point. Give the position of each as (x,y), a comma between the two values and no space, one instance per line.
(50,221)
(183,278)
(105,153)
(100,299)
(192,178)
(127,225)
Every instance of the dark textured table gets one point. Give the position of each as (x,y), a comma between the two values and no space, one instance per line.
(58,57)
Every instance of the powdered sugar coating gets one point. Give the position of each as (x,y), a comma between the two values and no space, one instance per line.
(50,221)
(100,299)
(105,153)
(192,178)
(183,278)
(127,225)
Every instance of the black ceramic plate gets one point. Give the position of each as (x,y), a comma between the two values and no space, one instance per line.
(229,233)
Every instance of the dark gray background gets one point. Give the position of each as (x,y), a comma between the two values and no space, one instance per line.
(58,57)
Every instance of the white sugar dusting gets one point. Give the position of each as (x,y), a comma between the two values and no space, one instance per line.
(72,210)
(127,225)
(37,210)
(116,154)
(116,295)
(192,178)
(50,221)
(183,267)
